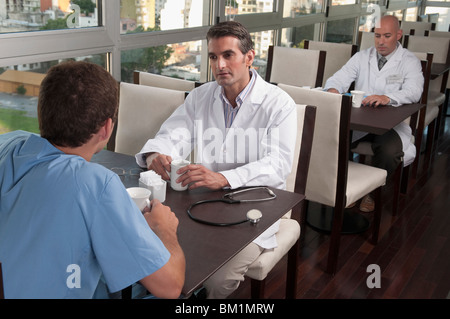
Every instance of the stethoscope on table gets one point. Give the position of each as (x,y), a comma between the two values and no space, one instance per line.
(253,215)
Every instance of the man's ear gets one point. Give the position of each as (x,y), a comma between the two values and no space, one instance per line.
(106,129)
(399,34)
(249,57)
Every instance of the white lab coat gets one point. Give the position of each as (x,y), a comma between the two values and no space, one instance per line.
(256,150)
(400,79)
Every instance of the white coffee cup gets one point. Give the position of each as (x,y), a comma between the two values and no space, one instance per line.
(357,97)
(175,165)
(141,196)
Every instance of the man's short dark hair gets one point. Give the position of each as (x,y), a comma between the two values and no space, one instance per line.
(234,29)
(75,101)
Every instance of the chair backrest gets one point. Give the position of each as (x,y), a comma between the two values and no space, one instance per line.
(440,47)
(142,110)
(366,40)
(419,27)
(299,67)
(327,176)
(2,293)
(437,34)
(337,55)
(426,59)
(162,81)
(296,180)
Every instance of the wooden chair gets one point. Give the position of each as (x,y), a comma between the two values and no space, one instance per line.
(333,180)
(416,27)
(437,34)
(427,61)
(142,110)
(440,47)
(2,293)
(298,67)
(337,55)
(162,81)
(442,34)
(289,232)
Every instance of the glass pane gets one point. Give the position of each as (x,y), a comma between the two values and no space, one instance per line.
(340,31)
(342,2)
(150,15)
(235,7)
(295,37)
(179,60)
(19,91)
(300,7)
(398,14)
(441,16)
(262,40)
(33,15)
(411,14)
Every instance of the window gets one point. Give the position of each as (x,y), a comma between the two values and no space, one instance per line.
(236,7)
(179,60)
(299,8)
(22,16)
(19,91)
(340,31)
(150,15)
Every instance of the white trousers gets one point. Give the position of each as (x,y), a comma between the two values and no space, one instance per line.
(227,279)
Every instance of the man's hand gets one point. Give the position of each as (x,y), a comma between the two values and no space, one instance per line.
(160,163)
(376,100)
(333,90)
(161,220)
(200,176)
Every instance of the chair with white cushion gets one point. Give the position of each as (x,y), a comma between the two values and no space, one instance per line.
(162,81)
(337,55)
(440,47)
(289,232)
(142,110)
(293,66)
(333,180)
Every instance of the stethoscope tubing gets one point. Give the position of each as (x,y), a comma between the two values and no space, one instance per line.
(227,198)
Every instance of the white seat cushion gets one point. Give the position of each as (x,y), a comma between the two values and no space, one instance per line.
(363,179)
(432,113)
(287,235)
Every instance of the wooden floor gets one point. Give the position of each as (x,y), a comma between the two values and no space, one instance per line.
(413,251)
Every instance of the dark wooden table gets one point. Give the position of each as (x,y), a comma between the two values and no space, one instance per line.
(206,247)
(381,119)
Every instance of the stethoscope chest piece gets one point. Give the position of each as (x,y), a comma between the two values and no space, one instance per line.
(254,216)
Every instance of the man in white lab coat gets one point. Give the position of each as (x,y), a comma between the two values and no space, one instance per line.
(243,130)
(395,81)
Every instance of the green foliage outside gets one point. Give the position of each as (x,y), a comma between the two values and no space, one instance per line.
(21,90)
(144,59)
(86,6)
(11,120)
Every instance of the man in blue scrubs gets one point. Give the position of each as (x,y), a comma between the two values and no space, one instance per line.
(67,225)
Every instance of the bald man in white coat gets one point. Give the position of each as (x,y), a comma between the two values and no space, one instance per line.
(399,81)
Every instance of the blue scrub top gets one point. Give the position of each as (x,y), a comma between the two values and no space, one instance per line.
(65,222)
